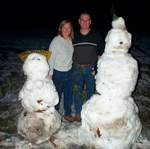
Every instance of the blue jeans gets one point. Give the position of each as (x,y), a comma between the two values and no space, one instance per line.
(82,77)
(63,84)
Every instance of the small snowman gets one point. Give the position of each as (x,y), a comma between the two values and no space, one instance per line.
(110,118)
(39,119)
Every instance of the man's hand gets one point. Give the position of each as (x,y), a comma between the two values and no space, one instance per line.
(93,73)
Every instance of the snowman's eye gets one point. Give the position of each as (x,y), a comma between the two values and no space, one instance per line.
(36,58)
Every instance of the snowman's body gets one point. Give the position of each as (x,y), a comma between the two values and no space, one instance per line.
(38,95)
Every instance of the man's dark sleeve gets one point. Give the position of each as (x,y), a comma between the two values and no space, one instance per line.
(100,47)
(101,44)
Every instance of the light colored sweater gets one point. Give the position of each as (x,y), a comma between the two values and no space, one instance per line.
(61,57)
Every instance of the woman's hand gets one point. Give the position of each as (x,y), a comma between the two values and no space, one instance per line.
(49,77)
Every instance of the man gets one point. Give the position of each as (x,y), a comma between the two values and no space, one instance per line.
(88,46)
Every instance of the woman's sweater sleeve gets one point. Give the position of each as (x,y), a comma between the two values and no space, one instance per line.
(51,61)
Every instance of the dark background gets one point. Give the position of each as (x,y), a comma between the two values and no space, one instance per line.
(48,14)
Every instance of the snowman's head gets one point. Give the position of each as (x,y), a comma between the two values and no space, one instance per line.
(36,66)
(118,23)
(118,39)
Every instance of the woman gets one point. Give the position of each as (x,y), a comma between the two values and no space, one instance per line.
(61,64)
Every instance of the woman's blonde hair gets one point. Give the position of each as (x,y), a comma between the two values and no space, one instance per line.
(62,23)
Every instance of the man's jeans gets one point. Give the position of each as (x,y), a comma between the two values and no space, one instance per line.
(82,77)
(63,84)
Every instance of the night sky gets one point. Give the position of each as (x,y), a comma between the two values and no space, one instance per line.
(17,14)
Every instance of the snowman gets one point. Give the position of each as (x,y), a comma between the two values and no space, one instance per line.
(110,118)
(39,119)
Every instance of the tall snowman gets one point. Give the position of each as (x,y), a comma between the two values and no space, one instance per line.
(39,119)
(110,118)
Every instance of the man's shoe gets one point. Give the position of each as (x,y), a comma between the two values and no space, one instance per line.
(69,118)
(77,118)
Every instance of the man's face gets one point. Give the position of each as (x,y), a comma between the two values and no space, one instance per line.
(85,21)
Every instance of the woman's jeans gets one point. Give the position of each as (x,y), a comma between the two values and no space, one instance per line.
(63,84)
(83,85)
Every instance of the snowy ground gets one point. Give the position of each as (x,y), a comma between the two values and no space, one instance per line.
(12,79)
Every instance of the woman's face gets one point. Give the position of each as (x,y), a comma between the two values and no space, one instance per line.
(66,30)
